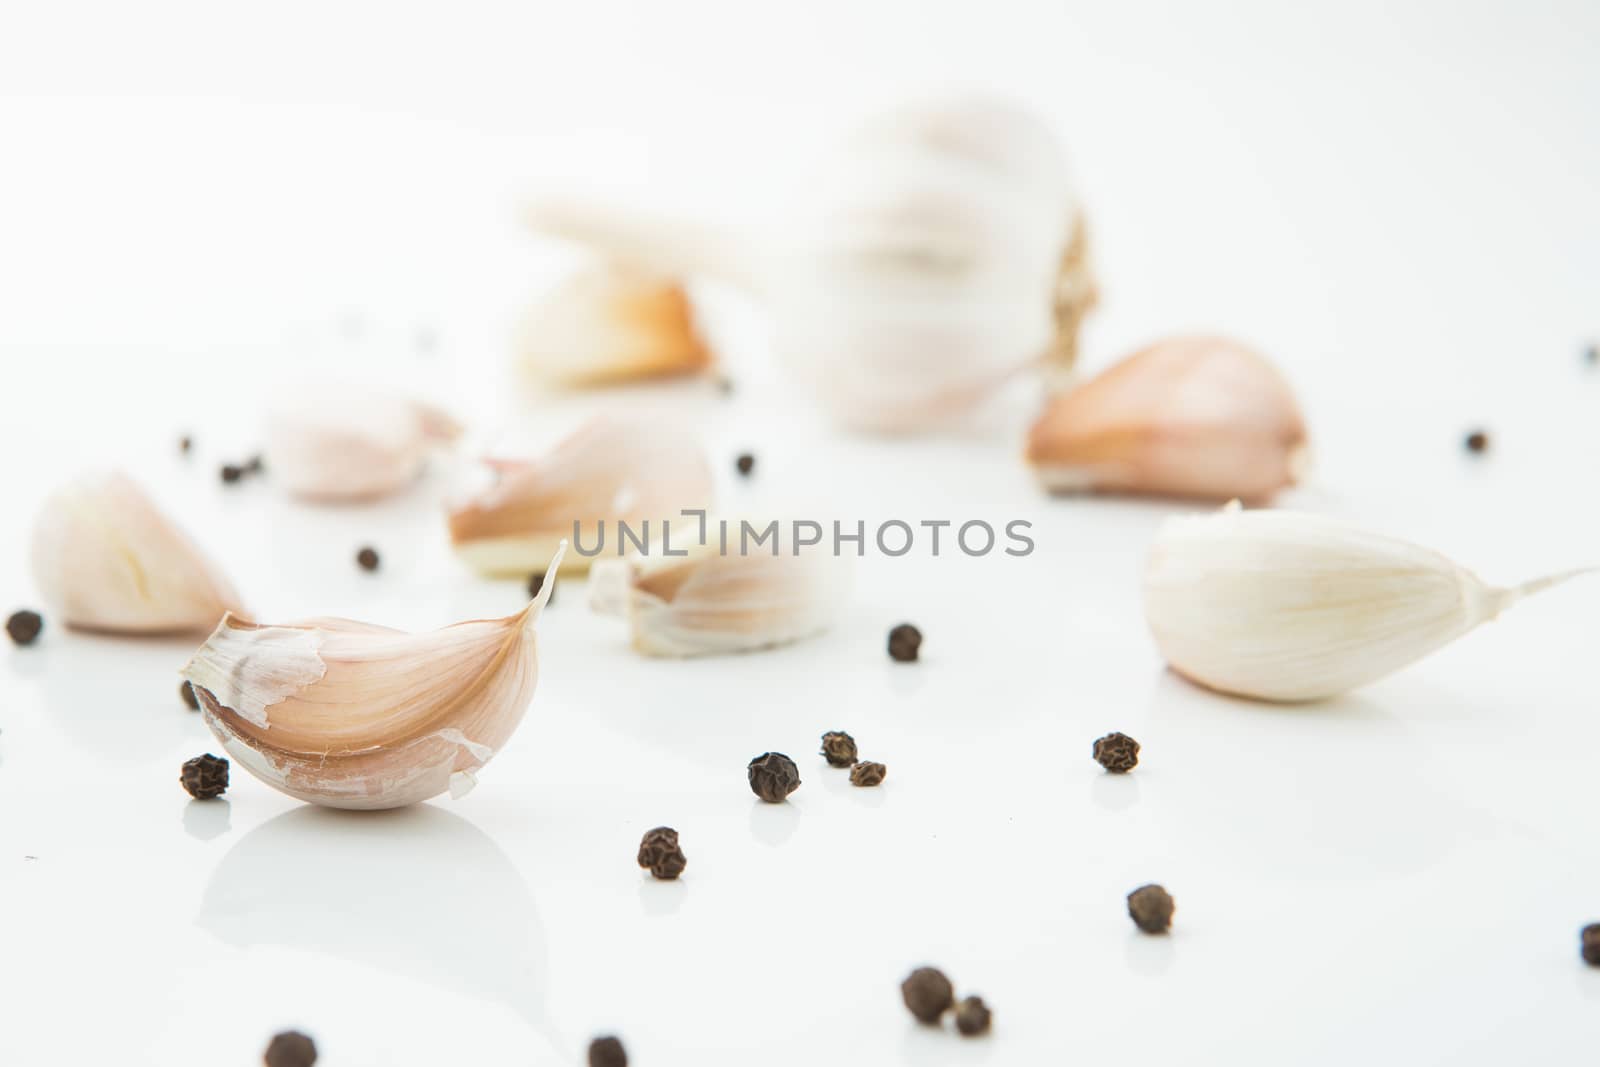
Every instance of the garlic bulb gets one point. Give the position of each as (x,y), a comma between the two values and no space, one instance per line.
(350,715)
(613,469)
(612,323)
(711,602)
(1190,416)
(348,442)
(1286,606)
(941,252)
(105,558)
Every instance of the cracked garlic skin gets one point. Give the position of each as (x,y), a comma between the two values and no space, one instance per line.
(1286,606)
(350,715)
(106,559)
(345,442)
(1197,417)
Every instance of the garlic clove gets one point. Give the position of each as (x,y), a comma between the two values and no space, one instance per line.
(351,715)
(612,323)
(105,558)
(1287,606)
(1199,417)
(632,470)
(348,442)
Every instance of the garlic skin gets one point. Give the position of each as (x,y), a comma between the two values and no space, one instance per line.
(341,442)
(613,468)
(939,253)
(611,323)
(106,559)
(1287,606)
(1200,417)
(350,715)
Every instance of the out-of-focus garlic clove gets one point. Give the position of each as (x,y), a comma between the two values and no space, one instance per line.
(348,442)
(350,715)
(105,558)
(612,323)
(1199,417)
(613,469)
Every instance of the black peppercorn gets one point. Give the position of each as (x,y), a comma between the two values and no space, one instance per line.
(905,641)
(536,586)
(1117,753)
(254,464)
(291,1049)
(1589,938)
(868,774)
(205,777)
(1591,355)
(186,691)
(607,1052)
(659,852)
(367,558)
(928,993)
(231,473)
(773,776)
(1477,442)
(745,464)
(23,626)
(1151,908)
(972,1016)
(838,748)
(185,444)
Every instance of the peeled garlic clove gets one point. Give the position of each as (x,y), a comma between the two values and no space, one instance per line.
(348,442)
(612,323)
(613,469)
(105,558)
(350,715)
(1286,606)
(1192,416)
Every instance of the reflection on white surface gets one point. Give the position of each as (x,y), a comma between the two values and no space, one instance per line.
(1114,792)
(924,1044)
(658,897)
(773,824)
(207,819)
(1150,954)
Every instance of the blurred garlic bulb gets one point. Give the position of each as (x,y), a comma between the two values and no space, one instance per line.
(612,323)
(613,469)
(350,715)
(941,252)
(105,558)
(1286,606)
(1190,416)
(349,442)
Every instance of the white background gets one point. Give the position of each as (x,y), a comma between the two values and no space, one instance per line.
(1396,201)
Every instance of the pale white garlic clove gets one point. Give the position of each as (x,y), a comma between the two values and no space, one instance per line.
(614,469)
(1200,417)
(105,558)
(332,441)
(612,323)
(1287,606)
(350,715)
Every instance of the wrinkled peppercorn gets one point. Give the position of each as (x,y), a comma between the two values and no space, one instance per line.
(745,464)
(1590,940)
(205,777)
(231,472)
(868,774)
(367,558)
(186,691)
(1117,753)
(928,993)
(607,1052)
(659,852)
(972,1016)
(23,626)
(291,1049)
(905,641)
(1477,442)
(838,748)
(536,586)
(773,776)
(1151,908)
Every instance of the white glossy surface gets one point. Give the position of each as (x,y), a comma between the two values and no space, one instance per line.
(1396,205)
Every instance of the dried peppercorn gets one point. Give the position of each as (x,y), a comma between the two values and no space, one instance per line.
(186,691)
(659,851)
(23,626)
(745,464)
(367,558)
(928,993)
(1477,442)
(866,774)
(1591,355)
(1589,938)
(1151,908)
(905,642)
(972,1016)
(291,1049)
(231,472)
(773,776)
(838,748)
(205,777)
(185,444)
(536,586)
(607,1052)
(1117,753)
(254,464)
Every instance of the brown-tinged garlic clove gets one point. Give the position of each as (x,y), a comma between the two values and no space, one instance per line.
(330,441)
(1200,417)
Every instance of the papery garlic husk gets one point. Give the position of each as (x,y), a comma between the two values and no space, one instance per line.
(1287,606)
(351,715)
(332,441)
(940,252)
(614,468)
(612,323)
(1201,417)
(711,602)
(105,558)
